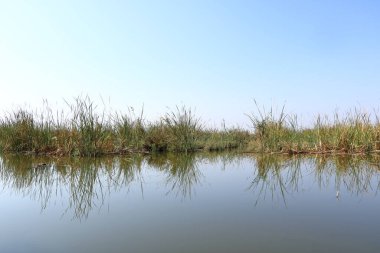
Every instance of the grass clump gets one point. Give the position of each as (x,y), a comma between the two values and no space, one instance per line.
(183,129)
(177,131)
(271,131)
(89,130)
(355,132)
(128,132)
(21,131)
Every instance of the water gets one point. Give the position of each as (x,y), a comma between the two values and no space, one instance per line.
(190,203)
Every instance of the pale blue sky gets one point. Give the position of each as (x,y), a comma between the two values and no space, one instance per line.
(215,56)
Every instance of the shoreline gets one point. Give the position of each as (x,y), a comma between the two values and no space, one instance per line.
(84,132)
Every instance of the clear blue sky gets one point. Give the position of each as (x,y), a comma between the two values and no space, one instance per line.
(215,56)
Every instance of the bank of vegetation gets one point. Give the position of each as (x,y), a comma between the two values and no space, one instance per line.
(87,131)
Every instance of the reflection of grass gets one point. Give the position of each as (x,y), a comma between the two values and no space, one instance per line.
(278,176)
(87,182)
(88,131)
(182,170)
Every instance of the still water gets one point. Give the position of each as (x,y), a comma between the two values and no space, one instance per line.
(190,203)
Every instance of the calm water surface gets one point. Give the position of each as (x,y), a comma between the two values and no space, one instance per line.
(190,203)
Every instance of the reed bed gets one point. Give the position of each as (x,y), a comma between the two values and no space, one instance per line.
(355,132)
(86,130)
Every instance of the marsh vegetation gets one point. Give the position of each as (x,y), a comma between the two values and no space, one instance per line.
(87,130)
(354,132)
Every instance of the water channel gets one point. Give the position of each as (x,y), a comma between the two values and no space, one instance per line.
(190,203)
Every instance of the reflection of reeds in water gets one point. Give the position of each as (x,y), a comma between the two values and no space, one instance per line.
(278,176)
(275,176)
(354,173)
(27,179)
(86,181)
(182,172)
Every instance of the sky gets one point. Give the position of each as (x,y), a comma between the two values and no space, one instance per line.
(215,57)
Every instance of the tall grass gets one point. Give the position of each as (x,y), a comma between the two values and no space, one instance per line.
(354,132)
(24,131)
(86,130)
(184,128)
(271,130)
(90,130)
(128,131)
